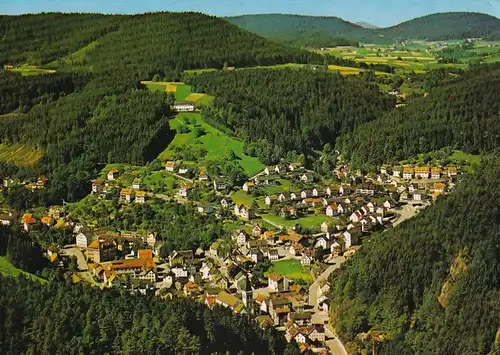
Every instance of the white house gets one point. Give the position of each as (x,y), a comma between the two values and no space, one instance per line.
(241,238)
(82,240)
(351,237)
(356,216)
(305,259)
(179,272)
(306,178)
(322,242)
(331,210)
(184,106)
(248,186)
(277,283)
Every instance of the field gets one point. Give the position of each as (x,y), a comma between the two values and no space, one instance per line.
(292,269)
(310,221)
(19,155)
(215,142)
(241,197)
(31,70)
(181,91)
(75,59)
(7,269)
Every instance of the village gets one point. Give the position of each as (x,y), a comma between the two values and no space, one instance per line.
(276,265)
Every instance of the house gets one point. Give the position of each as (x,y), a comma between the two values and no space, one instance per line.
(203,177)
(352,236)
(418,195)
(126,195)
(257,230)
(247,213)
(322,242)
(151,239)
(170,166)
(229,301)
(439,187)
(345,190)
(422,172)
(7,219)
(272,254)
(280,169)
(265,180)
(284,196)
(336,248)
(264,321)
(396,171)
(183,169)
(407,173)
(184,191)
(312,201)
(356,216)
(220,184)
(101,250)
(387,204)
(112,174)
(306,178)
(305,193)
(267,235)
(191,289)
(411,188)
(248,186)
(184,106)
(294,196)
(277,283)
(452,171)
(296,249)
(241,238)
(256,255)
(136,184)
(97,186)
(270,200)
(331,210)
(317,333)
(27,220)
(327,227)
(294,166)
(305,259)
(269,170)
(47,220)
(140,197)
(368,190)
(208,209)
(435,173)
(317,192)
(226,202)
(257,243)
(214,248)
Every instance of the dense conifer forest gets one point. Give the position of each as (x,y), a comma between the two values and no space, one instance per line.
(462,114)
(301,30)
(62,319)
(431,285)
(289,110)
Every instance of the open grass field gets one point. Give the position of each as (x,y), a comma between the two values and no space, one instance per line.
(215,142)
(310,221)
(292,269)
(241,197)
(75,59)
(31,70)
(459,157)
(181,91)
(7,269)
(283,186)
(19,155)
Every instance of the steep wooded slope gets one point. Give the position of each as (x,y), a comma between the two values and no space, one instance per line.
(463,114)
(431,285)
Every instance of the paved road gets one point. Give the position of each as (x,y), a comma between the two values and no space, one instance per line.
(74,251)
(314,288)
(407,212)
(336,347)
(180,177)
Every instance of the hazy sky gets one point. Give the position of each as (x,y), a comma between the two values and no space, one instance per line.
(377,12)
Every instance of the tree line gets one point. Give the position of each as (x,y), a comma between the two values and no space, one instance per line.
(288,110)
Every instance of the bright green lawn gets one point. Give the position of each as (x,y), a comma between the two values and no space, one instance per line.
(292,269)
(182,92)
(241,197)
(460,156)
(6,268)
(310,221)
(214,141)
(284,185)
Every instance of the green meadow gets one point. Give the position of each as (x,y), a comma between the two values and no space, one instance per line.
(216,143)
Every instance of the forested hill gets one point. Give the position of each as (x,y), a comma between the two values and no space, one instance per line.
(314,31)
(66,320)
(140,44)
(285,111)
(440,26)
(430,285)
(463,114)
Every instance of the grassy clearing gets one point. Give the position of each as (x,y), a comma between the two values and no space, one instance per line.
(292,269)
(283,186)
(215,142)
(75,59)
(345,70)
(310,221)
(241,197)
(30,70)
(182,92)
(461,157)
(19,155)
(7,269)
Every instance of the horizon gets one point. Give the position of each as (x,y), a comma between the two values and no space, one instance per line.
(385,13)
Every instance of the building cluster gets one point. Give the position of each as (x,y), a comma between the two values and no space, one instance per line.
(103,187)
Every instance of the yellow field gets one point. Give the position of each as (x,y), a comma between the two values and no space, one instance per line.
(19,155)
(194,97)
(345,70)
(171,88)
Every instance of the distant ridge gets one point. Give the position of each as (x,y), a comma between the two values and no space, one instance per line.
(439,26)
(366,25)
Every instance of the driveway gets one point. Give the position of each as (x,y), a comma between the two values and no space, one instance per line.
(74,251)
